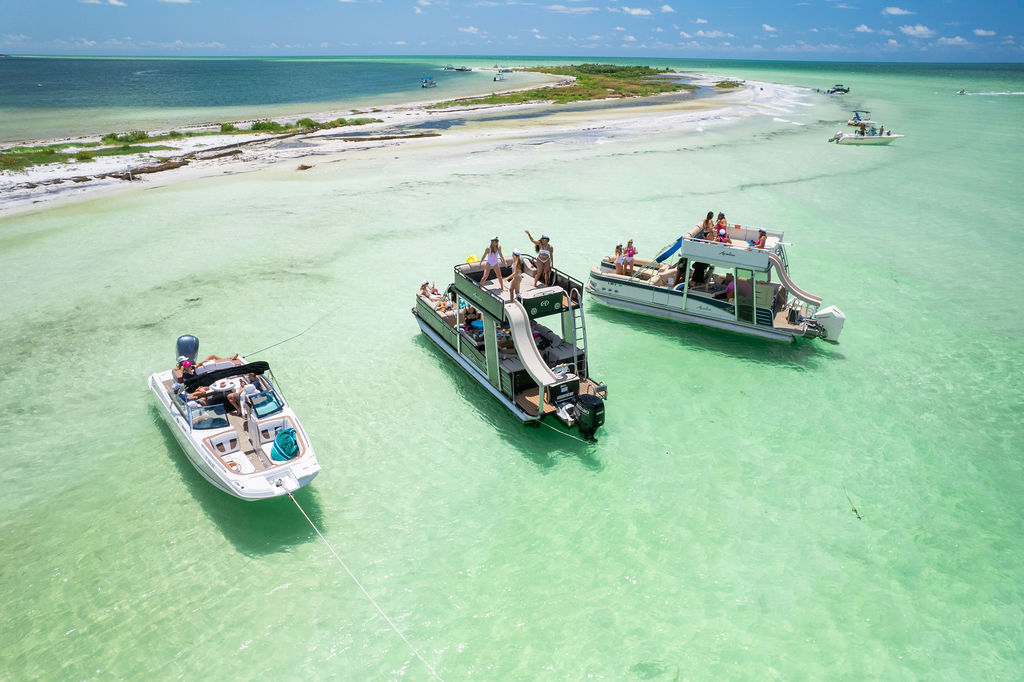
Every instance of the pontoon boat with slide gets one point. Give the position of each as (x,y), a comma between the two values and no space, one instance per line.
(533,370)
(259,450)
(728,286)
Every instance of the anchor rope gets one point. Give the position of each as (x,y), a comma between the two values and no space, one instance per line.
(360,585)
(569,435)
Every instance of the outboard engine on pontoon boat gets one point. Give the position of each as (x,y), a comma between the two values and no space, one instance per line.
(830,321)
(188,346)
(589,414)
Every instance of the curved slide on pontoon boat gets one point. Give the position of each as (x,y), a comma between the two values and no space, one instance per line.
(780,270)
(522,336)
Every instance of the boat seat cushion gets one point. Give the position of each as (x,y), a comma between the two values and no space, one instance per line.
(268,429)
(213,367)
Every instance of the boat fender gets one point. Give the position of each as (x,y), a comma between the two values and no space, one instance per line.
(472,259)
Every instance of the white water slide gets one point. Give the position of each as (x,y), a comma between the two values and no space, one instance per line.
(522,337)
(780,268)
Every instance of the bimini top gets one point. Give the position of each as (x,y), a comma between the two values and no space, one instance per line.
(194,382)
(738,251)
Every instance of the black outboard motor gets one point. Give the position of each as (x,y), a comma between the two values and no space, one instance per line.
(188,346)
(589,414)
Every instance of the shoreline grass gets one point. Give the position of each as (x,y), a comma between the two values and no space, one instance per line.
(593,81)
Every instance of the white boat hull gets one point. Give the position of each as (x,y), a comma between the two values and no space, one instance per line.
(276,481)
(690,316)
(867,139)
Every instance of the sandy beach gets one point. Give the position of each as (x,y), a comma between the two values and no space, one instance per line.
(399,124)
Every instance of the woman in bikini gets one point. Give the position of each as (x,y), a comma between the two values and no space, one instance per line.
(722,223)
(516,278)
(762,237)
(707,228)
(627,258)
(491,257)
(618,259)
(545,254)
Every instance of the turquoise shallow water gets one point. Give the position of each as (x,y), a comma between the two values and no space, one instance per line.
(707,535)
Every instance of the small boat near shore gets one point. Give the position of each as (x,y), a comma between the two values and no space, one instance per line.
(254,450)
(732,286)
(838,89)
(428,82)
(865,136)
(530,353)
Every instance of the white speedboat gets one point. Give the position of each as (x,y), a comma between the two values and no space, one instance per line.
(733,286)
(253,451)
(428,82)
(865,136)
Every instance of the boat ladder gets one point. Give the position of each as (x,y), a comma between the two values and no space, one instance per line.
(579,324)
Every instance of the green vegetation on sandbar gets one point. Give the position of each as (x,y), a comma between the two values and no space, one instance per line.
(121,144)
(729,84)
(20,158)
(593,81)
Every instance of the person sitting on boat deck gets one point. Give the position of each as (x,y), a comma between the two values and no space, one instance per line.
(516,278)
(184,370)
(428,292)
(627,257)
(444,305)
(722,237)
(721,224)
(618,259)
(762,236)
(730,288)
(236,398)
(707,228)
(491,256)
(545,255)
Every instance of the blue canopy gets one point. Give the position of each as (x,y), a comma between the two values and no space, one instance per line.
(667,253)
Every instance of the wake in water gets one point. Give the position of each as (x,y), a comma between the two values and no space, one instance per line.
(991,94)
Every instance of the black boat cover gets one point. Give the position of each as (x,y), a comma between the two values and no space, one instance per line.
(258,367)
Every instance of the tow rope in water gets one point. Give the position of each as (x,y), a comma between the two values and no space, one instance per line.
(543,423)
(360,585)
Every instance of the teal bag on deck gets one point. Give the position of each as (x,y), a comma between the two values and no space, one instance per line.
(286,445)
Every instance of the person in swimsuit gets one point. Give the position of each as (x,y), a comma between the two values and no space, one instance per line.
(722,237)
(722,223)
(516,278)
(762,236)
(707,228)
(491,257)
(618,259)
(545,254)
(627,258)
(427,292)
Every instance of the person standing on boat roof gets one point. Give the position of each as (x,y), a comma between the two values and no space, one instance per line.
(491,256)
(516,278)
(707,228)
(627,258)
(545,254)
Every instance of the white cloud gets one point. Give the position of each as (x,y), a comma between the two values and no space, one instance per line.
(659,30)
(891,44)
(701,21)
(538,36)
(956,40)
(983,32)
(398,42)
(594,37)
(896,11)
(15,38)
(715,34)
(117,3)
(178,2)
(917,31)
(630,39)
(770,29)
(469,29)
(863,28)
(636,11)
(666,8)
(619,28)
(562,9)
(684,34)
(417,10)
(802,46)
(885,32)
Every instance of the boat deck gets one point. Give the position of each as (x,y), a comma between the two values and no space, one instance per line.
(528,400)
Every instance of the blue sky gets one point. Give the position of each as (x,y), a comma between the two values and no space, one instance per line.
(844,30)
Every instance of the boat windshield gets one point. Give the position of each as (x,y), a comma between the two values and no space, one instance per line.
(207,416)
(266,403)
